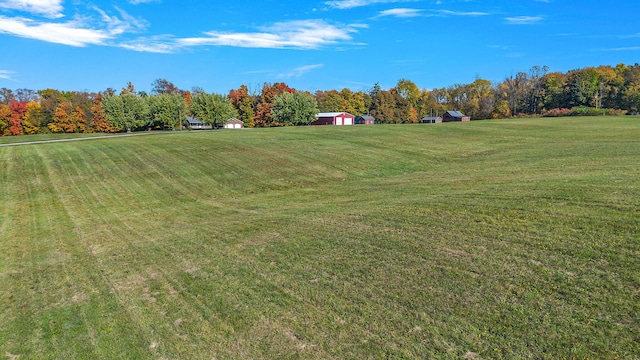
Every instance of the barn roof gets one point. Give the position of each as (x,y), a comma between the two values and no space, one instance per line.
(455,113)
(367,117)
(234,120)
(331,114)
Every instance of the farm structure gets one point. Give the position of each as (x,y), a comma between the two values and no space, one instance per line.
(196,124)
(365,120)
(431,120)
(454,115)
(233,123)
(334,118)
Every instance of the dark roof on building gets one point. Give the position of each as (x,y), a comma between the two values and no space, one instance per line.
(193,121)
(367,117)
(455,113)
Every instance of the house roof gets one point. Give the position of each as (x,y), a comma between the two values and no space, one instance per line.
(192,120)
(455,113)
(367,117)
(431,118)
(331,114)
(234,120)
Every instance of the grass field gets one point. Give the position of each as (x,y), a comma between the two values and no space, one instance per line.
(490,239)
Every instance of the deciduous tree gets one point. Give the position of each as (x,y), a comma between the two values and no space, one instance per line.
(33,119)
(99,120)
(212,109)
(167,110)
(243,103)
(298,108)
(18,110)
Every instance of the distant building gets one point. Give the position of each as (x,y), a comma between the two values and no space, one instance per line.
(431,120)
(365,120)
(233,123)
(334,118)
(196,124)
(454,115)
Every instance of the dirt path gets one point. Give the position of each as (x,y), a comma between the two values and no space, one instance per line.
(76,139)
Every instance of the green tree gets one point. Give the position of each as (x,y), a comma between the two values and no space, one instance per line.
(212,109)
(582,87)
(298,108)
(126,111)
(166,110)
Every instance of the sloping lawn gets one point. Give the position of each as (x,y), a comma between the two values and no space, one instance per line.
(490,239)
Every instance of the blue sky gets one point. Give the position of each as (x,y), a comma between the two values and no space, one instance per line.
(310,45)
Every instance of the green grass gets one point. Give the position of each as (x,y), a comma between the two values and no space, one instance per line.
(490,239)
(46,137)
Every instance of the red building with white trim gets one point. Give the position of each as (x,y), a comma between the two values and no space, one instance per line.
(334,118)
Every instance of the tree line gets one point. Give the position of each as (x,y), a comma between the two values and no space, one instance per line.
(537,92)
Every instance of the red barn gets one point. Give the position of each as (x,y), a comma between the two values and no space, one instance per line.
(334,118)
(455,116)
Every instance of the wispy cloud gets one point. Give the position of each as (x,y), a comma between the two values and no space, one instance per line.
(48,8)
(524,20)
(154,44)
(299,34)
(299,71)
(462,13)
(629,48)
(79,32)
(6,74)
(136,2)
(400,12)
(348,4)
(69,33)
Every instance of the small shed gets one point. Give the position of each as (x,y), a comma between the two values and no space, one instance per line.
(334,118)
(365,120)
(233,123)
(196,124)
(431,120)
(454,115)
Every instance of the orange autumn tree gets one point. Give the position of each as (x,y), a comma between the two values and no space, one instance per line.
(68,119)
(99,120)
(242,101)
(18,110)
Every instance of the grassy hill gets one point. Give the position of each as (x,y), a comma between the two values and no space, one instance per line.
(495,239)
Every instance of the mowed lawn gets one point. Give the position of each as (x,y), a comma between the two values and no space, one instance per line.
(490,239)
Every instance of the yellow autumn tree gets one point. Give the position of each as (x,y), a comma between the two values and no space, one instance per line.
(32,118)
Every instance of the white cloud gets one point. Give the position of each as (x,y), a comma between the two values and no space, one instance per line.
(157,44)
(629,48)
(69,33)
(80,32)
(524,20)
(136,2)
(400,12)
(299,71)
(6,74)
(300,34)
(126,23)
(48,8)
(348,4)
(462,13)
